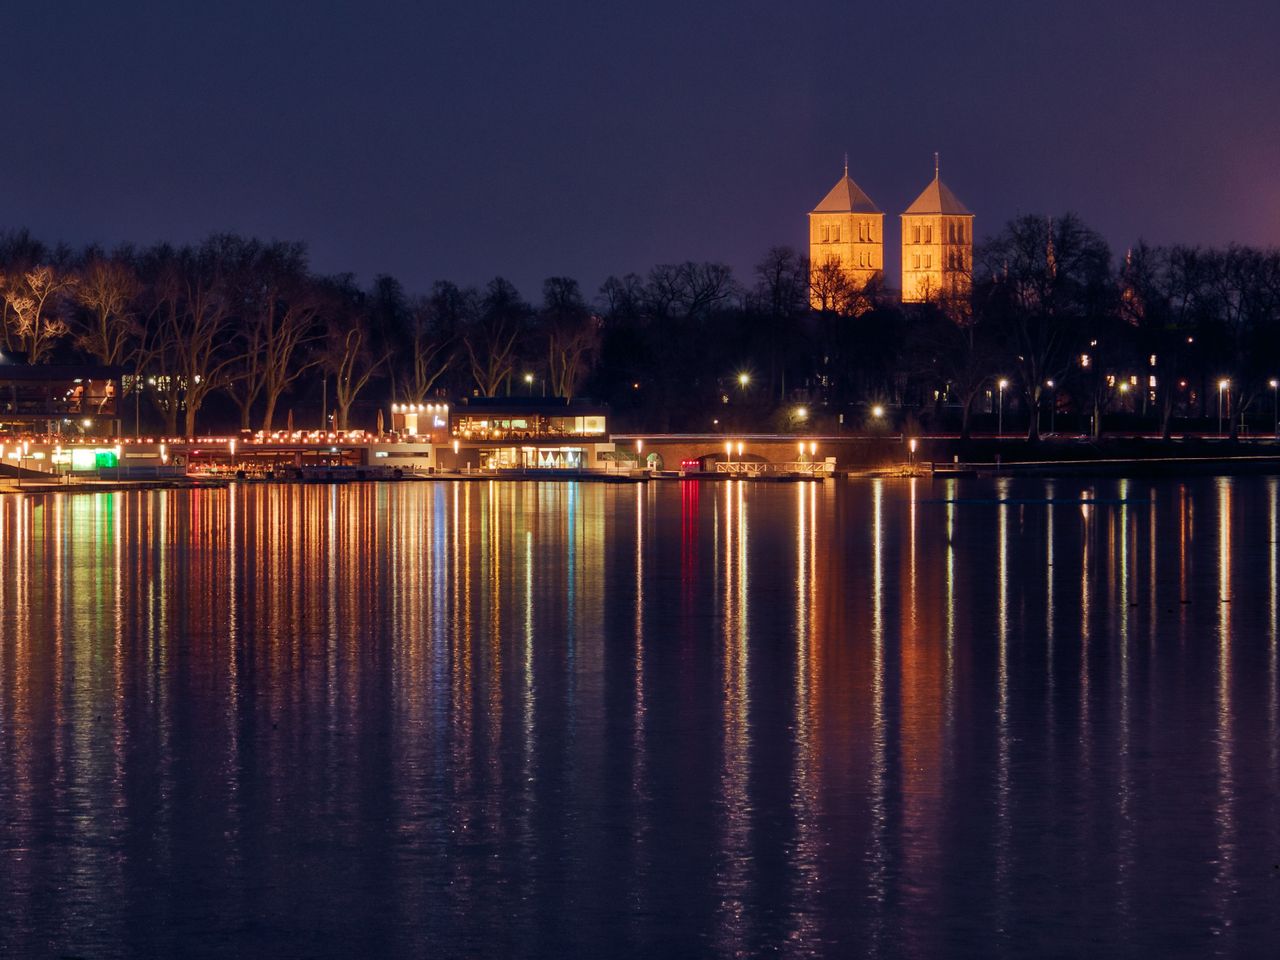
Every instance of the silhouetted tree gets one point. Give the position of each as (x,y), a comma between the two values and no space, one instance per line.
(1046,277)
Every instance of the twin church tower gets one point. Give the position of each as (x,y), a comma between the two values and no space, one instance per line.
(937,239)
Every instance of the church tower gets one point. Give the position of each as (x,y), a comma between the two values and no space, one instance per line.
(846,228)
(937,245)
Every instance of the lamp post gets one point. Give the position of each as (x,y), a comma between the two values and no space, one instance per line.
(1222,385)
(1275,393)
(728,451)
(528,379)
(1053,405)
(1000,408)
(911,453)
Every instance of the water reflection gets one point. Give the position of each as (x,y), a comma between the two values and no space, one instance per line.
(889,718)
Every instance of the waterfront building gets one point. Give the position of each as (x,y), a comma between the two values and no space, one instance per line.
(58,399)
(495,433)
(937,246)
(846,229)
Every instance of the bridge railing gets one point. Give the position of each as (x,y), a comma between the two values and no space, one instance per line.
(756,468)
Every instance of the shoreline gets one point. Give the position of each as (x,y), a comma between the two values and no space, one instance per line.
(1135,467)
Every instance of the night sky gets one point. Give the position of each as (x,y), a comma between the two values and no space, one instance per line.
(464,140)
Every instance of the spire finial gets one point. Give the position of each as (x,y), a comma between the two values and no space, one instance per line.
(846,163)
(935,165)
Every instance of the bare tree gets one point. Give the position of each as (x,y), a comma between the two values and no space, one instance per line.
(830,289)
(346,352)
(1239,282)
(108,327)
(492,338)
(430,342)
(572,334)
(279,309)
(1046,277)
(188,328)
(35,300)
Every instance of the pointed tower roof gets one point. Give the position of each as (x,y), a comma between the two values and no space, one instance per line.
(846,197)
(938,198)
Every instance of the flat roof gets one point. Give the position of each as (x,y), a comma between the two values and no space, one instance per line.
(28,373)
(529,406)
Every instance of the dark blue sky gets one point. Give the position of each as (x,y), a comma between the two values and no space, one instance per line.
(462,140)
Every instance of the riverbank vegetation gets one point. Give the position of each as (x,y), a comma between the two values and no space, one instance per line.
(1057,334)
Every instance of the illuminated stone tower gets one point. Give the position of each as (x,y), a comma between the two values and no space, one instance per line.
(848,229)
(937,245)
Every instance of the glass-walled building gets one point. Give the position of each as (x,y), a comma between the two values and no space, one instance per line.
(518,433)
(58,400)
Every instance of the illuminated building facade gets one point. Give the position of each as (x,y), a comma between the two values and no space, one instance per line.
(58,399)
(937,246)
(847,228)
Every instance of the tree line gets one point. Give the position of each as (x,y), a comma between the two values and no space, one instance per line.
(243,329)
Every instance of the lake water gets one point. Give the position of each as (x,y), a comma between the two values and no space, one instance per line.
(861,718)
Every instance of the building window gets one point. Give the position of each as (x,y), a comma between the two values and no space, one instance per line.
(837,234)
(928,261)
(826,234)
(915,261)
(915,234)
(928,234)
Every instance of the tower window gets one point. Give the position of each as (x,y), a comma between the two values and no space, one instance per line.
(826,234)
(915,261)
(928,261)
(837,234)
(915,234)
(928,234)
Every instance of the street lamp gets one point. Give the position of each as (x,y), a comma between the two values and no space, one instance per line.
(528,379)
(1275,392)
(911,453)
(1000,414)
(744,380)
(877,411)
(1053,406)
(1222,385)
(728,451)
